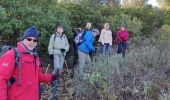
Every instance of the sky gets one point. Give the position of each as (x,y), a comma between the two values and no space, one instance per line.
(153,2)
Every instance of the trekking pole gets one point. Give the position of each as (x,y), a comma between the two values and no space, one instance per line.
(66,63)
(55,84)
(41,96)
(47,71)
(47,68)
(54,89)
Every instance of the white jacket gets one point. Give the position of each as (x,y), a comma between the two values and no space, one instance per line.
(105,37)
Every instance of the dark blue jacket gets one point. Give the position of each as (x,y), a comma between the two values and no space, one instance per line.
(87,44)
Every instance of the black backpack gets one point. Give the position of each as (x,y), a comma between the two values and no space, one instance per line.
(17,62)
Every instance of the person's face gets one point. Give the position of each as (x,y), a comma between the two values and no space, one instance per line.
(106,27)
(60,30)
(30,42)
(122,28)
(88,25)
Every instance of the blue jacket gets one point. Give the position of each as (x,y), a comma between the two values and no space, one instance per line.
(87,44)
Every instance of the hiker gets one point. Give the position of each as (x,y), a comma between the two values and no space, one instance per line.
(58,47)
(24,78)
(106,40)
(121,40)
(88,27)
(76,32)
(87,30)
(84,48)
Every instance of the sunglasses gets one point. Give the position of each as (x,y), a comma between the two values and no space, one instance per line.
(30,39)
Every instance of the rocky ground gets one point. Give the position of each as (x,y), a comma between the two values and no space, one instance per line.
(65,88)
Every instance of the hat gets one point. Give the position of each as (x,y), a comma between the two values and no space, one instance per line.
(96,30)
(61,26)
(30,32)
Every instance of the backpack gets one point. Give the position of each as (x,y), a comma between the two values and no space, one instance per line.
(79,39)
(17,62)
(60,37)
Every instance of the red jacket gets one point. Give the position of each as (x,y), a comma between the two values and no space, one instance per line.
(31,76)
(122,34)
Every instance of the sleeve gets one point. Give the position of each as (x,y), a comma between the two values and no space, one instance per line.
(126,37)
(50,46)
(101,37)
(66,44)
(88,41)
(6,68)
(117,39)
(44,78)
(111,39)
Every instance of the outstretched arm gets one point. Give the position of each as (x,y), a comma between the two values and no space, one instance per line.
(43,77)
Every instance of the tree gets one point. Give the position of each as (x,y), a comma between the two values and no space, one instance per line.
(164,4)
(133,3)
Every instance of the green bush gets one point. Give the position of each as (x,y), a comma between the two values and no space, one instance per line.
(137,76)
(163,38)
(151,18)
(133,24)
(166,18)
(43,14)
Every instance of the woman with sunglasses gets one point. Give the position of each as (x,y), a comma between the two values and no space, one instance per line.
(27,77)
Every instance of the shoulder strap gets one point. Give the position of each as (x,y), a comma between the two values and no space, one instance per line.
(54,39)
(17,56)
(54,36)
(64,37)
(18,64)
(84,32)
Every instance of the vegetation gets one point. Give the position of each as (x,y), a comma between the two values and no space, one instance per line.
(142,75)
(17,15)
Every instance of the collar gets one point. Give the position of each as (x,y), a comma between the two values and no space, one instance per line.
(23,49)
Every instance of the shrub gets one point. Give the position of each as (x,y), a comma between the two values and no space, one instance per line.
(163,37)
(138,76)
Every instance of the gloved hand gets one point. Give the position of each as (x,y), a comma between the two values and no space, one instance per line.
(55,76)
(62,50)
(122,39)
(94,51)
(52,56)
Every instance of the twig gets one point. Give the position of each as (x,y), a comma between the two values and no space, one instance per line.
(66,64)
(47,68)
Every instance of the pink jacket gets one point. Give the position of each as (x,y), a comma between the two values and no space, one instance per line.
(31,76)
(124,35)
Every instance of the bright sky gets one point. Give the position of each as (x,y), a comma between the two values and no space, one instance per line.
(153,2)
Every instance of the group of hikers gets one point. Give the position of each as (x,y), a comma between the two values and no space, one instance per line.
(83,42)
(21,69)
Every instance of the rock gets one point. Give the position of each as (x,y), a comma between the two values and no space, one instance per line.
(63,95)
(69,71)
(68,98)
(69,82)
(60,89)
(70,91)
